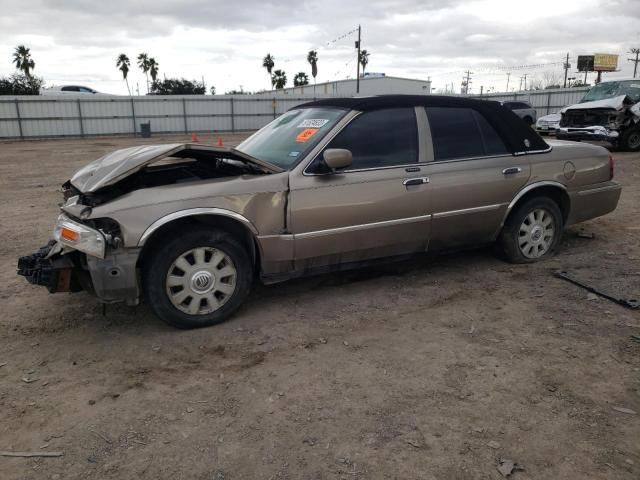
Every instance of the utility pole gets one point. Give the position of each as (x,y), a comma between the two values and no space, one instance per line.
(566,66)
(508,76)
(525,81)
(481,89)
(466,82)
(358,62)
(634,60)
(520,86)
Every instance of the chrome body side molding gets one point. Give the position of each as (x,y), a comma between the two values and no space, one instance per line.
(190,212)
(484,208)
(533,186)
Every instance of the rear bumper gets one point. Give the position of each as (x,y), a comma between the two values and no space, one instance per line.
(596,133)
(595,201)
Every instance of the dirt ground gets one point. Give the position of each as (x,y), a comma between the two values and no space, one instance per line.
(434,368)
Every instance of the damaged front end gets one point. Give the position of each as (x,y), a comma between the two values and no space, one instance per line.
(112,201)
(58,273)
(76,259)
(615,121)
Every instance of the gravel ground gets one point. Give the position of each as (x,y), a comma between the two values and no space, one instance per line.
(435,368)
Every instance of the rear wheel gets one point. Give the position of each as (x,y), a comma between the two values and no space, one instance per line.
(630,140)
(532,231)
(197,279)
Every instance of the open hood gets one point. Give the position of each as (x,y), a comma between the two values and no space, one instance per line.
(616,103)
(119,164)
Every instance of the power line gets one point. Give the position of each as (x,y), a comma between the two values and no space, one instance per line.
(466,82)
(566,67)
(634,60)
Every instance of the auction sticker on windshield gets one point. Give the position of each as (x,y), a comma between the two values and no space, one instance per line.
(306,134)
(313,123)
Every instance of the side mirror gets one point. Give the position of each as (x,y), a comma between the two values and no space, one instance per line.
(336,158)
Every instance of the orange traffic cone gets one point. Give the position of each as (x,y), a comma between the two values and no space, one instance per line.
(194,138)
(220,142)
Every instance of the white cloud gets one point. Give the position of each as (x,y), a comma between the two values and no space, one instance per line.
(79,40)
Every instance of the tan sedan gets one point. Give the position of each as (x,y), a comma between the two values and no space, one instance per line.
(329,185)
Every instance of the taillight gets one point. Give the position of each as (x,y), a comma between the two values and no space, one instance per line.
(612,167)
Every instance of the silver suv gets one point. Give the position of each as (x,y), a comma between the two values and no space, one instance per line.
(523,109)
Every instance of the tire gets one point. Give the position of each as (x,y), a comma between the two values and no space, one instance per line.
(214,280)
(522,247)
(630,140)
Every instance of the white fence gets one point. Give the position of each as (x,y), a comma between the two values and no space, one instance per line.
(39,116)
(544,101)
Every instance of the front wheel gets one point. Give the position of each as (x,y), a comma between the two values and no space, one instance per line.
(630,140)
(532,231)
(197,279)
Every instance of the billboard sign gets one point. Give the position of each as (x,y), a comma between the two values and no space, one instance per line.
(585,63)
(605,62)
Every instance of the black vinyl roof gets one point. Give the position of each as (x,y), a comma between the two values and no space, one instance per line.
(517,135)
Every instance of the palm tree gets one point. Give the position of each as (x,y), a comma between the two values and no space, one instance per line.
(301,79)
(312,58)
(143,63)
(153,69)
(22,59)
(123,65)
(268,62)
(364,60)
(279,79)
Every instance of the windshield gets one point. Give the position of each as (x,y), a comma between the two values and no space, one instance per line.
(631,88)
(286,139)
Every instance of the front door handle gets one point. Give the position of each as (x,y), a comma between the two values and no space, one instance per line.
(511,170)
(415,181)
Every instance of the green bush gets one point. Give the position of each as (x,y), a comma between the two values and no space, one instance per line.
(20,84)
(177,86)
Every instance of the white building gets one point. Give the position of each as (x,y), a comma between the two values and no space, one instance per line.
(378,84)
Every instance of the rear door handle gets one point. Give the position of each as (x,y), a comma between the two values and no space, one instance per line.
(415,181)
(511,170)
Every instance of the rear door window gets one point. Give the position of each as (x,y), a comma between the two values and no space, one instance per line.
(380,138)
(462,133)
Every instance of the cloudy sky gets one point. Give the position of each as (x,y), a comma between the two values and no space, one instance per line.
(77,41)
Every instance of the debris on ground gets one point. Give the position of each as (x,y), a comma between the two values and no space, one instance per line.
(628,411)
(588,235)
(31,454)
(493,444)
(506,467)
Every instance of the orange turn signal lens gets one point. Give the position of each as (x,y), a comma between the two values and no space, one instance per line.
(69,234)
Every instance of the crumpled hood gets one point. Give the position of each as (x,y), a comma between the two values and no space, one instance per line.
(118,164)
(616,103)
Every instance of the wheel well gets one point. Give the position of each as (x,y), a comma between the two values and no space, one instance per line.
(557,194)
(234,227)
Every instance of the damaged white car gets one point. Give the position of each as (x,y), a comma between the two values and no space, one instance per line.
(609,112)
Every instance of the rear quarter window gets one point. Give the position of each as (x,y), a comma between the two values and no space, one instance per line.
(462,133)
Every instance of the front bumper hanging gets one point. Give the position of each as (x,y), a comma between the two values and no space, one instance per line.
(49,269)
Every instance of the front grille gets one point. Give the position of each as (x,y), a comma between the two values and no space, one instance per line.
(585,118)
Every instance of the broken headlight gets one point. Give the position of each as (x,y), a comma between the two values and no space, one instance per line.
(79,237)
